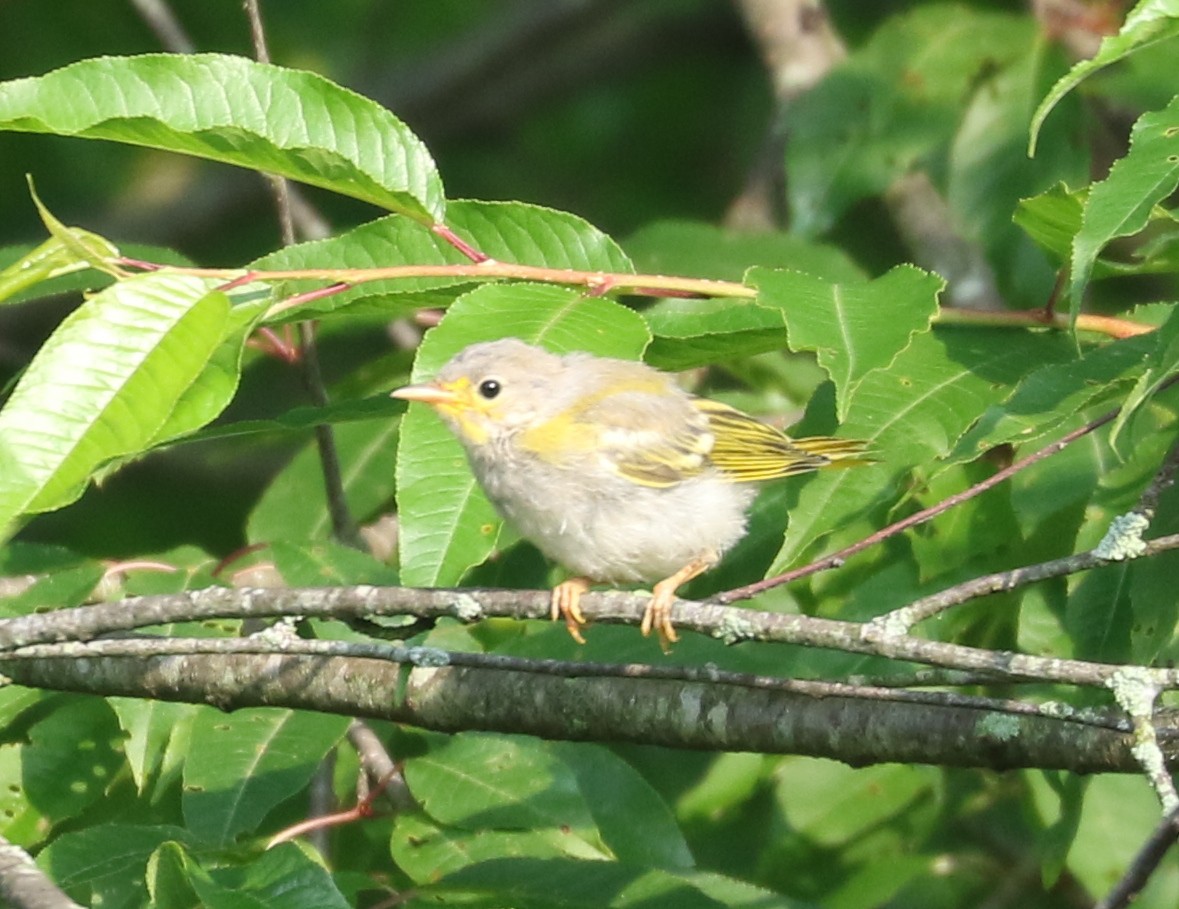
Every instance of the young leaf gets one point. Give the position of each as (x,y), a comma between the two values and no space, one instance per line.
(447,524)
(51,259)
(105,386)
(1150,22)
(281,121)
(1121,203)
(843,323)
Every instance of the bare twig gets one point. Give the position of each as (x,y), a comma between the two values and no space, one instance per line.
(1145,862)
(836,559)
(1124,537)
(25,886)
(384,772)
(167,28)
(598,282)
(344,526)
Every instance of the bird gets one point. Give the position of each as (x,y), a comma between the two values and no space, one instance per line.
(611,468)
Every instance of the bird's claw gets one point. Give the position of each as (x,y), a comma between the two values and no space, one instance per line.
(566,603)
(657,617)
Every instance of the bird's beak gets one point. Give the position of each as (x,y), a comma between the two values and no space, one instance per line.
(428,393)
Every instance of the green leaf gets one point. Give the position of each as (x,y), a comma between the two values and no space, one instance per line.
(282,121)
(326,564)
(693,333)
(71,758)
(701,250)
(483,780)
(1150,22)
(20,822)
(1058,798)
(1053,394)
(153,729)
(93,250)
(634,821)
(109,382)
(58,589)
(105,864)
(31,273)
(426,850)
(294,505)
(52,259)
(505,231)
(285,877)
(539,883)
(300,419)
(447,524)
(989,172)
(1117,812)
(1152,590)
(169,878)
(241,765)
(1121,203)
(843,323)
(1161,365)
(1052,219)
(912,413)
(894,102)
(833,804)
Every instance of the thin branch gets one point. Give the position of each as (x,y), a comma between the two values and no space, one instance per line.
(167,28)
(613,282)
(1149,857)
(382,770)
(837,559)
(344,526)
(25,886)
(1123,537)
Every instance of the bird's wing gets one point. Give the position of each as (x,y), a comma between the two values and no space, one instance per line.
(642,428)
(748,450)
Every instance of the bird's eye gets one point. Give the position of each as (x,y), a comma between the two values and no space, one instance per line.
(489,388)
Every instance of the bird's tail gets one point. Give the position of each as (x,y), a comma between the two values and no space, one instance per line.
(838,452)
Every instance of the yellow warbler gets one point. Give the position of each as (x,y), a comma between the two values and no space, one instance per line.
(611,468)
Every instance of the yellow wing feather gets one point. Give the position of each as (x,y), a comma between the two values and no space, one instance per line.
(634,427)
(749,450)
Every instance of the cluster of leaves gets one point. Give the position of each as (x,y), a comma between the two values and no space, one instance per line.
(125,799)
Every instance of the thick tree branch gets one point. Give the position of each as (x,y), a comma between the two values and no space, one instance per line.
(702,715)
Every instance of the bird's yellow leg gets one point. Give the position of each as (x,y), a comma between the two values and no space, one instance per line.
(657,615)
(567,604)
